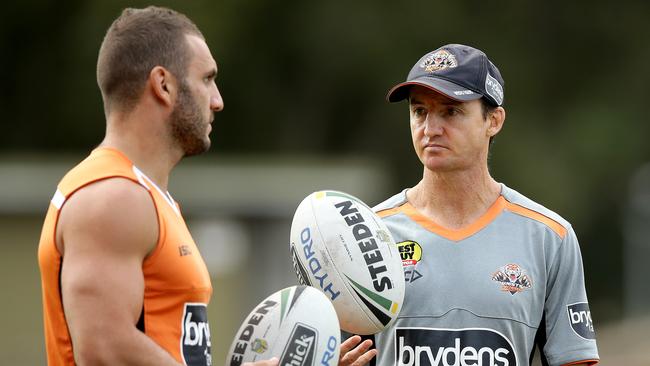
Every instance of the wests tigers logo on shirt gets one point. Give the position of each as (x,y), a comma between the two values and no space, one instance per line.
(512,278)
(195,339)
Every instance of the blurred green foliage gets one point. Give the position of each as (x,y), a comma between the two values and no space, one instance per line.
(302,77)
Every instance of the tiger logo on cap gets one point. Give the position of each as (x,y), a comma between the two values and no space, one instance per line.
(439,60)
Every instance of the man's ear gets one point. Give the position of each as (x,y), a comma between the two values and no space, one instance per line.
(163,85)
(496,119)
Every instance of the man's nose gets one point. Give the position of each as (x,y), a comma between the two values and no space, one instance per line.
(433,125)
(216,101)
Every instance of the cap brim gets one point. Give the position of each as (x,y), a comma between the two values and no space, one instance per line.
(442,86)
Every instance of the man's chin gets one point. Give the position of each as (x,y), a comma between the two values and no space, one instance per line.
(198,149)
(439,165)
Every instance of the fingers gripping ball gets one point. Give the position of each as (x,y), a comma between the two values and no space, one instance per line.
(340,246)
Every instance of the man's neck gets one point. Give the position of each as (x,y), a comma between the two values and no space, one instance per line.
(454,200)
(145,147)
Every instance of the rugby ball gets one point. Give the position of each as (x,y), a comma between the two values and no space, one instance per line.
(340,246)
(298,325)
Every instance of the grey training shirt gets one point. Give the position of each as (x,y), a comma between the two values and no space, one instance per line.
(485,295)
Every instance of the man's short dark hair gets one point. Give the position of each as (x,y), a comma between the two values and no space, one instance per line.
(487,108)
(136,42)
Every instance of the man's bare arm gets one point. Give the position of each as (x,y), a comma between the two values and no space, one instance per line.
(105,231)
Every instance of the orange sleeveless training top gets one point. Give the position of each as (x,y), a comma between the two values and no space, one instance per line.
(177,284)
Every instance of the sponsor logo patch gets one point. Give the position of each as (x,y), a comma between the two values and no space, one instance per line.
(580,320)
(195,338)
(493,88)
(439,60)
(411,253)
(301,346)
(447,347)
(512,278)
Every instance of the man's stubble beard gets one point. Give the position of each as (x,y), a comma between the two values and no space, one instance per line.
(188,125)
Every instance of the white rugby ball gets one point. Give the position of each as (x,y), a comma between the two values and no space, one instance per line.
(340,246)
(297,324)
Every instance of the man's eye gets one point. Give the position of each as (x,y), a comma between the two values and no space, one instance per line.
(208,79)
(419,112)
(451,111)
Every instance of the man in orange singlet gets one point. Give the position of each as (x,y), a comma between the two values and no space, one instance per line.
(123,281)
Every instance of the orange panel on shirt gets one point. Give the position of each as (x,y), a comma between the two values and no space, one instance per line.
(453,235)
(457,235)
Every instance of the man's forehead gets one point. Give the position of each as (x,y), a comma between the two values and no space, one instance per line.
(420,94)
(200,51)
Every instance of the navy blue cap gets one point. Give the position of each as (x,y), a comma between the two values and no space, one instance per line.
(460,72)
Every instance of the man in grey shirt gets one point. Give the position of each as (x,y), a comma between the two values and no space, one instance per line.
(490,274)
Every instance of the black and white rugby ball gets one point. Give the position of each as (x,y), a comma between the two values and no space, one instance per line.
(297,324)
(340,246)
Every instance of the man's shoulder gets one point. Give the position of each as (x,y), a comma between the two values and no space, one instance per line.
(520,204)
(113,213)
(115,197)
(394,201)
(102,163)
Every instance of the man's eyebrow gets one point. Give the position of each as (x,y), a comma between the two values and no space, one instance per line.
(451,102)
(414,101)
